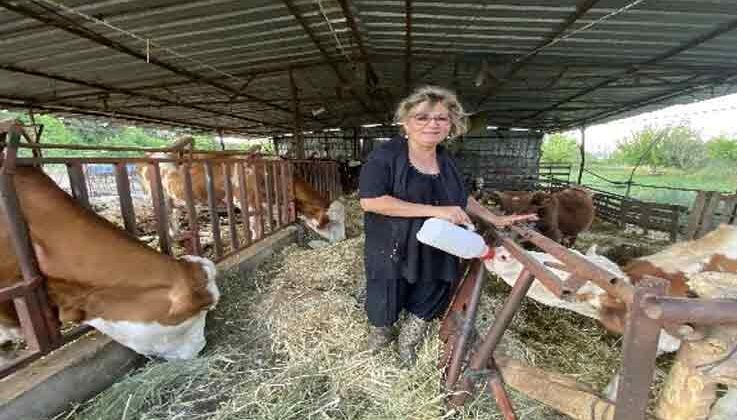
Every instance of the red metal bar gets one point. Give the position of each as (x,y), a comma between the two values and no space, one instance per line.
(275,176)
(475,274)
(234,242)
(640,349)
(258,193)
(127,212)
(284,191)
(269,189)
(194,227)
(245,211)
(495,385)
(290,191)
(160,209)
(212,207)
(480,359)
(578,265)
(692,311)
(539,270)
(39,324)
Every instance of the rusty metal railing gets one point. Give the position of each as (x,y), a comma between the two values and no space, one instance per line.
(262,188)
(649,312)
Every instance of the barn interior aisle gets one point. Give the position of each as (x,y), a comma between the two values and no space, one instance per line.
(288,342)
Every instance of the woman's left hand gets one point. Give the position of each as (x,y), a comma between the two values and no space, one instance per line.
(504,221)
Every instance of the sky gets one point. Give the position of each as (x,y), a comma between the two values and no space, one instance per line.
(711,118)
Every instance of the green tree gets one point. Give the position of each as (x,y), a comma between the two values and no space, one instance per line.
(722,148)
(559,148)
(682,147)
(678,146)
(642,147)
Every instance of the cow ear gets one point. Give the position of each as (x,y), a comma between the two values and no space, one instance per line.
(540,198)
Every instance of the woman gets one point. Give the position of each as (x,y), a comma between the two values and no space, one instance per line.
(405,181)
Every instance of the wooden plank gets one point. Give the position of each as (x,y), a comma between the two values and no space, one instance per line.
(707,221)
(728,208)
(695,214)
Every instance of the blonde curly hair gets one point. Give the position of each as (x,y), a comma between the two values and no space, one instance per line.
(434,95)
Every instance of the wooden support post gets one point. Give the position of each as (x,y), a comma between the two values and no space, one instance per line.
(582,148)
(675,222)
(645,211)
(695,215)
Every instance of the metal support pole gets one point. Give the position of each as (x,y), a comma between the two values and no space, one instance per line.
(640,349)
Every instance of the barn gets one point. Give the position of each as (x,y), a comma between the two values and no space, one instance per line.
(321,80)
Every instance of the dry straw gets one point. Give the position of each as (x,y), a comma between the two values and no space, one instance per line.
(288,342)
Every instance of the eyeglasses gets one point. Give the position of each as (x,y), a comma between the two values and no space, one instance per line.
(424,119)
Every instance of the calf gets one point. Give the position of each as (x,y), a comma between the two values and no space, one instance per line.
(562,215)
(172,181)
(100,275)
(715,252)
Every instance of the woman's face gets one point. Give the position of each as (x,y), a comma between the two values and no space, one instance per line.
(427,125)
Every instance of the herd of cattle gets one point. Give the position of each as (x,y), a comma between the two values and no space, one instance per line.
(156,304)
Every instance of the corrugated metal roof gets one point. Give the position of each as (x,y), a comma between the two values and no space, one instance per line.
(224,65)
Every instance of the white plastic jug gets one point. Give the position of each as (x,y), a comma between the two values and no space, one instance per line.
(452,239)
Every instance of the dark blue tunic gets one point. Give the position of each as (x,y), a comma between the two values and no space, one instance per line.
(392,250)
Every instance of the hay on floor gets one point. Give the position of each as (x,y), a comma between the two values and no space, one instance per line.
(288,342)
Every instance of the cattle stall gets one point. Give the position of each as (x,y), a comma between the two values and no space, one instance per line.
(113,187)
(500,159)
(335,144)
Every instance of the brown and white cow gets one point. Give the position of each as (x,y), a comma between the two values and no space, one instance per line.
(172,181)
(715,252)
(562,215)
(317,211)
(100,275)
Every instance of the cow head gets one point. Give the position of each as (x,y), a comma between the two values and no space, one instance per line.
(179,333)
(514,202)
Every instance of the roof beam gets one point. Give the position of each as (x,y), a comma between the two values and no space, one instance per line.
(86,33)
(328,60)
(28,103)
(408,48)
(582,7)
(719,30)
(373,77)
(653,99)
(112,89)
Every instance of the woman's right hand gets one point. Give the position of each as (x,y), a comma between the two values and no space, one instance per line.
(453,214)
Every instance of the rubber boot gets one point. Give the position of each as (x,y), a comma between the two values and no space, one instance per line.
(379,338)
(411,335)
